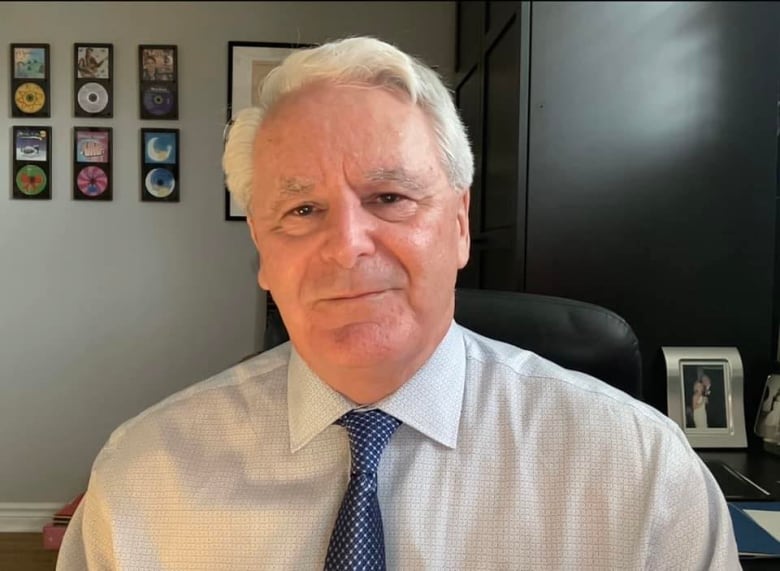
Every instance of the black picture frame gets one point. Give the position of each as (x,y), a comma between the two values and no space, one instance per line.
(160,181)
(93,80)
(248,64)
(158,80)
(31,151)
(92,163)
(30,80)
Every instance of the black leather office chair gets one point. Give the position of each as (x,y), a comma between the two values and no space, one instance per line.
(573,334)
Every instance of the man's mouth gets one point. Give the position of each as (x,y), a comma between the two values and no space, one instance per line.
(356,295)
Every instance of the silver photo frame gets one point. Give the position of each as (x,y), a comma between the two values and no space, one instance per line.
(704,393)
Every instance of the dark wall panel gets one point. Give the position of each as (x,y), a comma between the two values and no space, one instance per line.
(471,23)
(502,121)
(470,106)
(497,14)
(652,170)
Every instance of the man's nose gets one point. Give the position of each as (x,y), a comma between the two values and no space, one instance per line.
(349,229)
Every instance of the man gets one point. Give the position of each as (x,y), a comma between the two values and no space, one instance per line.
(150,68)
(384,434)
(89,65)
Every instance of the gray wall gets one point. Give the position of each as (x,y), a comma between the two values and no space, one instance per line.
(106,308)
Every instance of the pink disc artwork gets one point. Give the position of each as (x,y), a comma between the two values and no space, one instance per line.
(92,181)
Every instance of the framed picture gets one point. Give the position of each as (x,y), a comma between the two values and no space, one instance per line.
(248,64)
(767,425)
(31,175)
(92,158)
(158,79)
(704,388)
(93,80)
(30,93)
(160,165)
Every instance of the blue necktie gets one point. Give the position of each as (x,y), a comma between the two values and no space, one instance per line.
(358,540)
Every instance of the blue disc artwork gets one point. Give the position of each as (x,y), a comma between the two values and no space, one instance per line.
(160,182)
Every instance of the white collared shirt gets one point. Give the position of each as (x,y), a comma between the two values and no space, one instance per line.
(503,461)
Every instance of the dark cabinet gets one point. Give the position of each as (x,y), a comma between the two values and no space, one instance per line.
(628,157)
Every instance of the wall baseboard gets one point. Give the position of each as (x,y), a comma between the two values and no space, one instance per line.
(26,517)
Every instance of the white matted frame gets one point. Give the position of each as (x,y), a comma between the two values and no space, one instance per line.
(704,389)
(248,64)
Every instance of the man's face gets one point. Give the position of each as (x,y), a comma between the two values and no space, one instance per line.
(359,233)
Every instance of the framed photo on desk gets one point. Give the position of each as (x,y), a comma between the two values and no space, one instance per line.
(704,388)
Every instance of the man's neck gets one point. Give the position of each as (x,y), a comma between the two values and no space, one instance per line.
(373,384)
(370,384)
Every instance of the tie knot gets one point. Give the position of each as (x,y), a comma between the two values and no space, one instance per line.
(369,432)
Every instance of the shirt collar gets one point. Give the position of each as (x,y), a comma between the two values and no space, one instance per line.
(430,401)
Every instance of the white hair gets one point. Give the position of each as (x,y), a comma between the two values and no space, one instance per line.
(351,60)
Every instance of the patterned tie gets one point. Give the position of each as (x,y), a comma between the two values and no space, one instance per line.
(358,540)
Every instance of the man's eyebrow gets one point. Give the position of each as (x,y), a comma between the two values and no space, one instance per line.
(291,186)
(397,175)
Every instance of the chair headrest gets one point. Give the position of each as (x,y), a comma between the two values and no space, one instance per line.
(574,334)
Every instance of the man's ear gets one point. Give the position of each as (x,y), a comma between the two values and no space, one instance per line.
(464,236)
(261,278)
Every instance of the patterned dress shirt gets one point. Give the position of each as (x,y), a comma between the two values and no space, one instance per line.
(503,461)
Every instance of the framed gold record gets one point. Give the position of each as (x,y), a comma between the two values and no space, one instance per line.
(29,70)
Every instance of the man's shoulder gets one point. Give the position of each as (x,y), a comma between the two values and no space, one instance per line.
(220,395)
(543,385)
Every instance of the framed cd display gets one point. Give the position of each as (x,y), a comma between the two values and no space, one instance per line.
(92,163)
(248,64)
(93,80)
(30,94)
(160,165)
(158,75)
(31,174)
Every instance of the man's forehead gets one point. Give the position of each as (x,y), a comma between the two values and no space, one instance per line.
(399,175)
(374,142)
(335,109)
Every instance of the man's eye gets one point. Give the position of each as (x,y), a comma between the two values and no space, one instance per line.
(389,198)
(301,211)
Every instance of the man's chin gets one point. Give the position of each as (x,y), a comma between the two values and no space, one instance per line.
(361,344)
(363,338)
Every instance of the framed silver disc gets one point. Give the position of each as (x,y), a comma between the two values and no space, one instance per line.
(92,97)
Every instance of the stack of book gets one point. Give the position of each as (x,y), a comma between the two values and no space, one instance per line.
(55,530)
